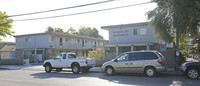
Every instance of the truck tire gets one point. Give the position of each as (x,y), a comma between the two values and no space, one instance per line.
(85,70)
(192,73)
(58,69)
(48,68)
(75,69)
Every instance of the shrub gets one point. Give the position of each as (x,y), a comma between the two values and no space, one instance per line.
(95,54)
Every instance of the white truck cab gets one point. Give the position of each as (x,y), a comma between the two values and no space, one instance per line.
(68,60)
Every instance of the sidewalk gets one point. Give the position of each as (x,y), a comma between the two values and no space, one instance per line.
(13,67)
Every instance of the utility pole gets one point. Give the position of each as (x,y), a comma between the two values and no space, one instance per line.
(177,49)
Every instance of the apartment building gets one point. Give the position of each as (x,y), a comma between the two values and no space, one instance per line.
(42,46)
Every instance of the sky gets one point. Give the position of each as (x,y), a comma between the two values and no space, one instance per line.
(127,15)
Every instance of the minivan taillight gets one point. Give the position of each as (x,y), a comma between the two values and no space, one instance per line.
(86,61)
(160,62)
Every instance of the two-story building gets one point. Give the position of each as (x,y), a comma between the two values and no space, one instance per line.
(131,37)
(41,46)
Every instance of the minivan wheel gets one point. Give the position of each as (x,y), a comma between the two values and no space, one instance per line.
(110,71)
(193,73)
(75,69)
(150,71)
(48,68)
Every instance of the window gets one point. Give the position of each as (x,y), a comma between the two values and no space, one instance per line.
(78,41)
(71,56)
(52,38)
(66,39)
(60,41)
(64,56)
(27,40)
(83,43)
(59,56)
(150,55)
(135,31)
(136,56)
(143,31)
(123,57)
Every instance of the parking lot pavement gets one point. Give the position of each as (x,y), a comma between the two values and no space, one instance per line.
(36,76)
(94,69)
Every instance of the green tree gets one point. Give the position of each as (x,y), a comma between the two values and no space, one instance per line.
(175,16)
(71,31)
(5,25)
(51,29)
(183,42)
(87,31)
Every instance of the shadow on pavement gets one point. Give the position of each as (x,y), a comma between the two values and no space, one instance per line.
(128,79)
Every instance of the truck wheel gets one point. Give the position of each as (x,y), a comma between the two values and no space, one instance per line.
(85,70)
(193,73)
(150,71)
(75,69)
(48,68)
(58,69)
(110,71)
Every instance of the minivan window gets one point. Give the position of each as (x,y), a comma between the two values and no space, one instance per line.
(136,56)
(123,57)
(161,55)
(150,55)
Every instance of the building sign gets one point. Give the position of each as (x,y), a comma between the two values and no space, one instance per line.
(120,33)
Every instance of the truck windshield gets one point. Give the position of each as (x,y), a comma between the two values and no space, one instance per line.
(72,56)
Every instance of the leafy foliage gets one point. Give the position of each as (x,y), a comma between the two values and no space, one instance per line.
(183,42)
(175,15)
(5,25)
(95,54)
(84,31)
(71,31)
(51,29)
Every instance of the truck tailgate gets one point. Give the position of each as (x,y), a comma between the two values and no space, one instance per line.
(91,62)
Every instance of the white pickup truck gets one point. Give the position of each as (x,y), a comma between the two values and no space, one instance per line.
(68,60)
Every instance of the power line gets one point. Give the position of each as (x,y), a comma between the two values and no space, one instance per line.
(83,5)
(85,12)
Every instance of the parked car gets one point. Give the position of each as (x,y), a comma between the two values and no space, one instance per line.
(68,60)
(191,69)
(148,62)
(189,58)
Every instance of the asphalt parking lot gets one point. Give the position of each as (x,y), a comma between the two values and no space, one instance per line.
(36,76)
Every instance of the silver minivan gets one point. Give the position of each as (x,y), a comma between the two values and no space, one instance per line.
(148,62)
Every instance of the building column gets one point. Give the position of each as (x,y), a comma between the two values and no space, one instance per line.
(117,50)
(104,53)
(148,47)
(132,47)
(35,55)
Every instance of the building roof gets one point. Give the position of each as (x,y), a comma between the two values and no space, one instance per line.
(124,25)
(62,34)
(7,48)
